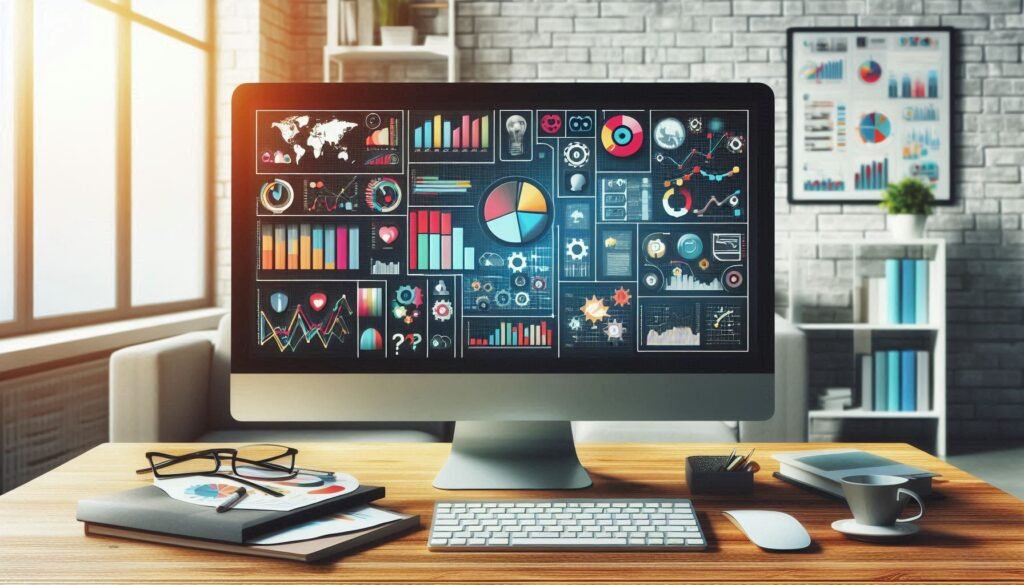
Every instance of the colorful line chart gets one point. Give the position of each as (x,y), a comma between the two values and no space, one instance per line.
(301,330)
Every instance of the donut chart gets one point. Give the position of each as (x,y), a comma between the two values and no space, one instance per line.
(870,71)
(622,136)
(874,128)
(516,211)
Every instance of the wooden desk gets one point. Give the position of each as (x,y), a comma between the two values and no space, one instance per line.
(975,535)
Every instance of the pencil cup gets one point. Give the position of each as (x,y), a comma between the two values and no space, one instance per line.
(704,475)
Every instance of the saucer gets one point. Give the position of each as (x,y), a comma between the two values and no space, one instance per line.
(851,528)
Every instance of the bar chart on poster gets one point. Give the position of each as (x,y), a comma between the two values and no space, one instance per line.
(869,107)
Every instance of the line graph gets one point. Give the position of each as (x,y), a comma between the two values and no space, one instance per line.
(303,330)
(318,197)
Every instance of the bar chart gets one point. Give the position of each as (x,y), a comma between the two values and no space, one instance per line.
(435,244)
(509,334)
(925,85)
(305,246)
(872,176)
(827,71)
(465,133)
(824,185)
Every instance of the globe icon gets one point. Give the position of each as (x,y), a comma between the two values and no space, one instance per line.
(669,133)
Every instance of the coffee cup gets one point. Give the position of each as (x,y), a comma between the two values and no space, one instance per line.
(878,500)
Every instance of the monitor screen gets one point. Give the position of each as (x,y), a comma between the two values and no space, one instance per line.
(520,237)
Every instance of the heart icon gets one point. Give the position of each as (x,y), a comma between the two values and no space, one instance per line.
(388,233)
(317,300)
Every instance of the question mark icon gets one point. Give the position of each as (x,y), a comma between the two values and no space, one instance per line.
(414,340)
(399,339)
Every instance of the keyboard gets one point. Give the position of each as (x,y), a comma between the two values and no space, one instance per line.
(569,524)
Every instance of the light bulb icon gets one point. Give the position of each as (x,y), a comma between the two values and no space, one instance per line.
(516,127)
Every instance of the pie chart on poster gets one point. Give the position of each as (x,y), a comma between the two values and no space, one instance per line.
(516,211)
(874,128)
(870,71)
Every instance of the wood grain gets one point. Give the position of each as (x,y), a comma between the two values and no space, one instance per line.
(974,535)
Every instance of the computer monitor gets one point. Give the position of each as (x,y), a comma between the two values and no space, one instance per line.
(510,255)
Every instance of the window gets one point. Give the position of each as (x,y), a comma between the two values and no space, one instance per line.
(105,140)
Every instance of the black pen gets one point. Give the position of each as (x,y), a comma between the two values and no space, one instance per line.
(232,500)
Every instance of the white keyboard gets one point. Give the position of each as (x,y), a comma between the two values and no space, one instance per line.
(576,524)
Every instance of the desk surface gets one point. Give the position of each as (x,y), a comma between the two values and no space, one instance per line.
(976,534)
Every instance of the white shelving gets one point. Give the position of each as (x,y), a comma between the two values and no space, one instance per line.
(861,254)
(339,56)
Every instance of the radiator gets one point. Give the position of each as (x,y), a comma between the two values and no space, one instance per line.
(50,417)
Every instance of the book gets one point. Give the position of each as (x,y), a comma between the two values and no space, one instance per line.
(308,551)
(892,291)
(878,297)
(907,294)
(836,399)
(150,509)
(881,380)
(921,290)
(867,391)
(822,470)
(908,383)
(924,391)
(892,390)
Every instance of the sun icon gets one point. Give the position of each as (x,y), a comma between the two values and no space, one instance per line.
(621,297)
(594,309)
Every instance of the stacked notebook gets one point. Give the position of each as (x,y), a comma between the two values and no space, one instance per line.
(823,470)
(150,515)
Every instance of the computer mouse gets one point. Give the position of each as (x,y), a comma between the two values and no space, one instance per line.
(770,530)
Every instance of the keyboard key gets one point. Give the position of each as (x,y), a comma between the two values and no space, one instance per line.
(570,541)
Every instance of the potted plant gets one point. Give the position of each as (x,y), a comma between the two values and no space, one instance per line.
(909,203)
(390,14)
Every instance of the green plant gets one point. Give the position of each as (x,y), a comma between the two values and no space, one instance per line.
(909,196)
(391,12)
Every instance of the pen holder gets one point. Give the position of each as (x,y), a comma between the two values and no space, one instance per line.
(704,475)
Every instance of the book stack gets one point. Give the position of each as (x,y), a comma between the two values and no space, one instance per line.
(836,399)
(901,296)
(895,380)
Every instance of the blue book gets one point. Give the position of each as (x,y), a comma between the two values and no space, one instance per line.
(907,293)
(908,381)
(921,288)
(881,380)
(892,390)
(892,285)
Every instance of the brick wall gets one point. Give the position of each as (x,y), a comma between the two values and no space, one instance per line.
(738,40)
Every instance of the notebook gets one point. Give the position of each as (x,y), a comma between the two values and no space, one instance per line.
(308,551)
(149,508)
(822,470)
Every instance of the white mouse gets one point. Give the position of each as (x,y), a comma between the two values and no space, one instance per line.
(770,530)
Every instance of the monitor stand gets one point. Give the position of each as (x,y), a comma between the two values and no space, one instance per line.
(506,455)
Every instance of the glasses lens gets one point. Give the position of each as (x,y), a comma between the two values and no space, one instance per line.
(265,461)
(184,464)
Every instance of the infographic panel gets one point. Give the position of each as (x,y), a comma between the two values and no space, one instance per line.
(531,235)
(869,108)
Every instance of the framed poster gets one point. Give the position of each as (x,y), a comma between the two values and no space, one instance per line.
(868,107)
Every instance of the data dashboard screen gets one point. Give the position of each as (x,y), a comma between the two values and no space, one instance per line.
(534,239)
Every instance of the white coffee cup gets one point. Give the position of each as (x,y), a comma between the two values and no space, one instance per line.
(878,500)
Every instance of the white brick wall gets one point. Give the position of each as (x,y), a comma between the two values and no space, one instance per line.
(729,40)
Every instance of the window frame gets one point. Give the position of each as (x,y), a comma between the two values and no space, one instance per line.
(25,321)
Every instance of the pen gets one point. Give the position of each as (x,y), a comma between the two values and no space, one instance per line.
(232,500)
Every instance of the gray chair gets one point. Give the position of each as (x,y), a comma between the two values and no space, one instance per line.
(176,390)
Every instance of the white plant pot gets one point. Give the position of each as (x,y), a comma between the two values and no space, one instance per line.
(906,226)
(397,36)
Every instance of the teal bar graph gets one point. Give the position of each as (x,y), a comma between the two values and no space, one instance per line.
(435,251)
(447,134)
(469,262)
(458,253)
(428,135)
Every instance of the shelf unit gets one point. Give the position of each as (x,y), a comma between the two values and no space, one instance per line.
(340,55)
(862,260)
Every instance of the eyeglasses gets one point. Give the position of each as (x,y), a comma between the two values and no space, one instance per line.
(252,462)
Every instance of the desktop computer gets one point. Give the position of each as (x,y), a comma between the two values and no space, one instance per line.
(508,256)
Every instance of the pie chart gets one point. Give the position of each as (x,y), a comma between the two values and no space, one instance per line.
(874,128)
(870,71)
(516,211)
(211,490)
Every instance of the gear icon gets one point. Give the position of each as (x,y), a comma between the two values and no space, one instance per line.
(519,281)
(522,299)
(621,296)
(577,249)
(405,295)
(488,287)
(695,125)
(614,330)
(442,310)
(575,323)
(483,303)
(517,262)
(475,285)
(398,311)
(503,298)
(704,264)
(540,283)
(576,154)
